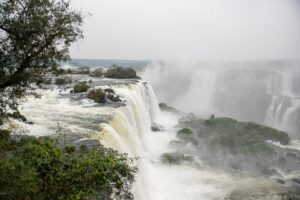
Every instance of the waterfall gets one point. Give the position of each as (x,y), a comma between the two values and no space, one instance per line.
(127,128)
(200,96)
(284,104)
(131,132)
(262,92)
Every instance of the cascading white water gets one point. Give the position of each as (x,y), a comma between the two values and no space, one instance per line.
(128,129)
(262,92)
(155,180)
(201,92)
(284,102)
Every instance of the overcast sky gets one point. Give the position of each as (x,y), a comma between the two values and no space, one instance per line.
(189,29)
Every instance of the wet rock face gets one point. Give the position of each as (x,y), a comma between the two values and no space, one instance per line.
(157,128)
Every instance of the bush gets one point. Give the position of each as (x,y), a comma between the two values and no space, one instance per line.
(97,73)
(57,71)
(227,144)
(63,80)
(175,158)
(120,72)
(113,98)
(109,90)
(35,168)
(82,70)
(69,149)
(81,87)
(97,95)
(184,133)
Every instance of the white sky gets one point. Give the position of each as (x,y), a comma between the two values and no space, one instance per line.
(189,29)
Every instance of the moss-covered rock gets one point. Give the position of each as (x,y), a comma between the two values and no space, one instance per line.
(81,87)
(165,107)
(230,145)
(120,72)
(175,158)
(113,98)
(109,90)
(98,95)
(185,134)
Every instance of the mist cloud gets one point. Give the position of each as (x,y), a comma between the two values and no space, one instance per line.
(190,29)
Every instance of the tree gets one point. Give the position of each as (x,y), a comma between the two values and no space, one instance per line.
(35,35)
(35,168)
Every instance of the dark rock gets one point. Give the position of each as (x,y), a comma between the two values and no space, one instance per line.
(157,128)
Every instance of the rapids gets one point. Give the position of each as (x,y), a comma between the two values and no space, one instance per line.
(127,128)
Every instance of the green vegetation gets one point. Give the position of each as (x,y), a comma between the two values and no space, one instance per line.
(63,80)
(109,90)
(175,158)
(184,133)
(230,145)
(97,73)
(17,115)
(82,70)
(97,95)
(35,35)
(35,168)
(120,72)
(113,98)
(101,96)
(60,71)
(81,87)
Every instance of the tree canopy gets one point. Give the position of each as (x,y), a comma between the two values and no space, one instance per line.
(35,35)
(36,168)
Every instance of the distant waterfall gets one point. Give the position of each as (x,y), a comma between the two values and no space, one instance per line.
(200,97)
(285,104)
(262,92)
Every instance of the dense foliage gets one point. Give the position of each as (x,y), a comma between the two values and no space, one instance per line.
(97,73)
(230,145)
(98,95)
(81,87)
(63,80)
(102,96)
(120,72)
(35,168)
(35,35)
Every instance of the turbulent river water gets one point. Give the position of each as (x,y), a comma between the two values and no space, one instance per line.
(126,127)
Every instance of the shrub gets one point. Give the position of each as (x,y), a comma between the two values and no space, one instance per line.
(47,81)
(120,72)
(57,71)
(63,80)
(113,98)
(69,149)
(97,73)
(175,158)
(81,87)
(35,168)
(184,133)
(82,70)
(97,95)
(109,90)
